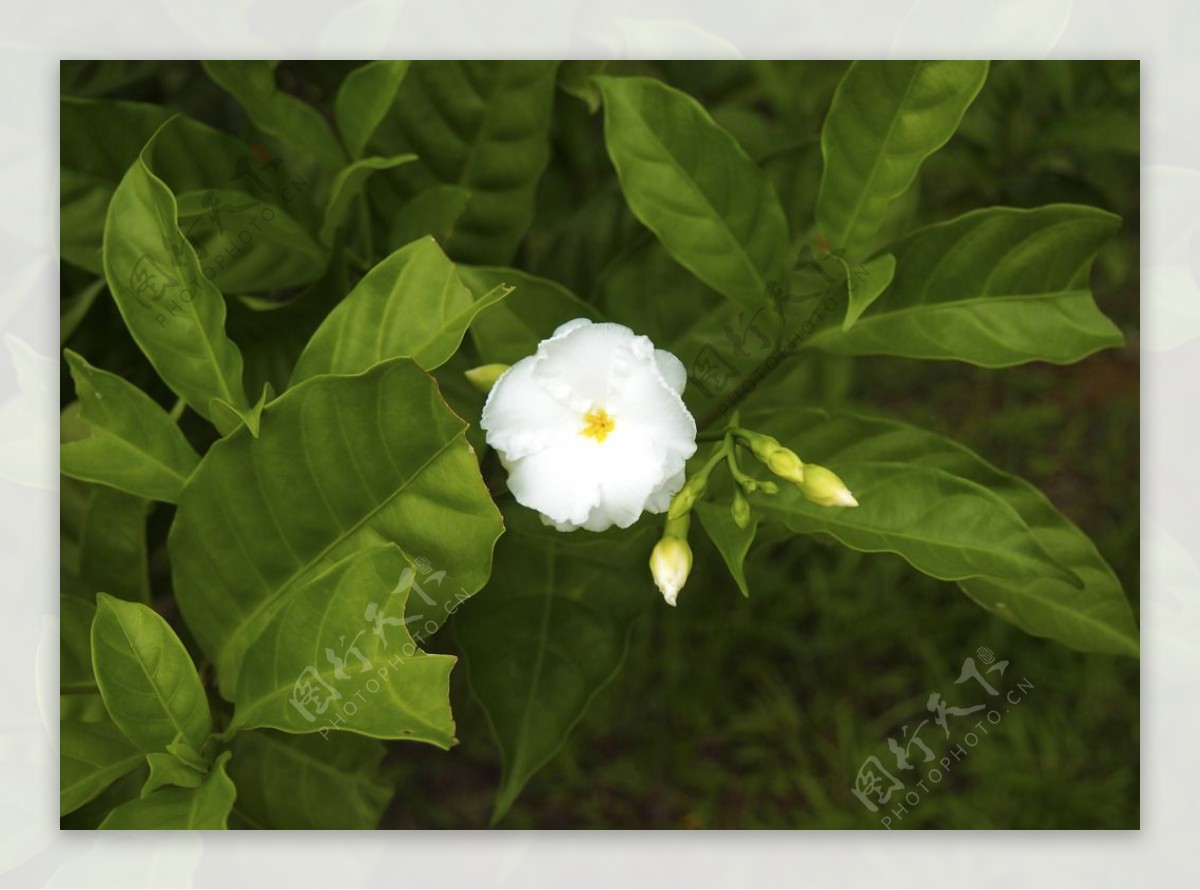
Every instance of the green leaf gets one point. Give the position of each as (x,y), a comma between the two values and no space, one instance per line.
(340,464)
(732,542)
(91,757)
(99,139)
(1093,617)
(348,185)
(339,655)
(76,306)
(113,554)
(97,143)
(581,247)
(308,782)
(549,632)
(995,287)
(575,79)
(134,444)
(434,211)
(691,184)
(945,526)
(246,244)
(227,419)
(167,770)
(484,126)
(204,807)
(653,294)
(75,642)
(173,312)
(273,111)
(887,117)
(411,304)
(532,311)
(866,284)
(146,677)
(363,100)
(272,335)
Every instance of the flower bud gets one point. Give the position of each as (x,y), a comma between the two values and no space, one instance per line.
(781,461)
(766,486)
(484,377)
(691,492)
(822,486)
(784,463)
(740,509)
(670,564)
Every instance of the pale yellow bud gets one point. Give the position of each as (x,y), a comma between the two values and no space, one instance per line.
(484,377)
(670,564)
(822,486)
(740,509)
(784,463)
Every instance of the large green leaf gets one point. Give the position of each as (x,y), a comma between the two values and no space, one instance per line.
(994,287)
(91,757)
(146,677)
(363,101)
(75,617)
(693,186)
(887,117)
(411,304)
(532,311)
(173,312)
(113,555)
(348,185)
(246,244)
(252,83)
(308,782)
(484,126)
(322,664)
(1093,617)
(547,634)
(579,248)
(205,807)
(340,464)
(134,444)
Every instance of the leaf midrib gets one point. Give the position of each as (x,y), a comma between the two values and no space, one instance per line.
(866,321)
(853,218)
(149,677)
(713,212)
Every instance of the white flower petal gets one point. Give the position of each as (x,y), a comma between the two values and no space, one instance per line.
(586,363)
(671,369)
(522,417)
(592,428)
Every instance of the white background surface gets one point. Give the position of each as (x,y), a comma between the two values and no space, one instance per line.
(36,34)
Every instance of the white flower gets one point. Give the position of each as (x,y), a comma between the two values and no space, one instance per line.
(591,428)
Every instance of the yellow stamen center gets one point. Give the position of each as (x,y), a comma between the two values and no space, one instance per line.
(597,424)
